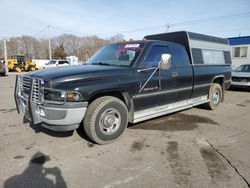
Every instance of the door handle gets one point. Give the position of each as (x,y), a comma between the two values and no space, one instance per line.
(174,74)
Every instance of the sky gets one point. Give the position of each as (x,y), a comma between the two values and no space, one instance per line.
(132,18)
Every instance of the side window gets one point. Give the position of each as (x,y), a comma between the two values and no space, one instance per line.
(179,55)
(61,62)
(154,56)
(213,57)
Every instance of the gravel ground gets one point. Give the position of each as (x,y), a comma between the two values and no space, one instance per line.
(191,148)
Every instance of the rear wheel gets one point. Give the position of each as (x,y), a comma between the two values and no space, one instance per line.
(106,119)
(215,96)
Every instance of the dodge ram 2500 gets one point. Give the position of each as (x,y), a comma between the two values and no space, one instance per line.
(128,82)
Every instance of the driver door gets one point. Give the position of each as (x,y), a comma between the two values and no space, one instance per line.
(155,86)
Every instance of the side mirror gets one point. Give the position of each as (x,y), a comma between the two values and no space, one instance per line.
(165,62)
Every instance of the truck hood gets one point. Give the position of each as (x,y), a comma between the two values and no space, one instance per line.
(241,74)
(56,75)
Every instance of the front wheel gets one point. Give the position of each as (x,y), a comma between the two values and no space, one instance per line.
(32,68)
(106,119)
(215,96)
(17,69)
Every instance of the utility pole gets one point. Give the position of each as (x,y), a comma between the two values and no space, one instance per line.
(86,55)
(5,53)
(49,43)
(167,28)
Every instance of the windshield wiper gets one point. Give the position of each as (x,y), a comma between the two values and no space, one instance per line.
(99,63)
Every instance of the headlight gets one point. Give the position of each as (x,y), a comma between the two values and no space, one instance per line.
(62,96)
(54,95)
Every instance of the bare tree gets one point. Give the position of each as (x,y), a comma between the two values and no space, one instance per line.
(59,52)
(31,47)
(117,38)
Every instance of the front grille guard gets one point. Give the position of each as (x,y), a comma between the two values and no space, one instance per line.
(37,91)
(35,98)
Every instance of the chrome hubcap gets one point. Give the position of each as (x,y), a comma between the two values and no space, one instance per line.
(216,97)
(110,121)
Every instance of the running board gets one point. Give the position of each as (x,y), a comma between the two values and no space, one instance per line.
(150,113)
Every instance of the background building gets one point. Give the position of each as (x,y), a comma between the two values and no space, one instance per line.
(240,50)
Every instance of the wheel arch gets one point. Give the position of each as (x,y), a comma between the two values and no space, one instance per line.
(219,79)
(122,95)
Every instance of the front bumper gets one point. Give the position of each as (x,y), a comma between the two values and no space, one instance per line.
(57,117)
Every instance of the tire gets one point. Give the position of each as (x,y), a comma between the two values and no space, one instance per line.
(32,68)
(105,120)
(16,69)
(3,73)
(215,96)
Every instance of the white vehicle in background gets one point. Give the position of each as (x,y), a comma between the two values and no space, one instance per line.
(241,77)
(73,60)
(56,63)
(40,63)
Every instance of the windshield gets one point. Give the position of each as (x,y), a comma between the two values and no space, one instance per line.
(119,54)
(243,68)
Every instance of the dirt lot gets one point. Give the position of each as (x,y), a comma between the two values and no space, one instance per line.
(192,148)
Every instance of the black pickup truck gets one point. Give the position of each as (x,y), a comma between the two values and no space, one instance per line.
(128,82)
